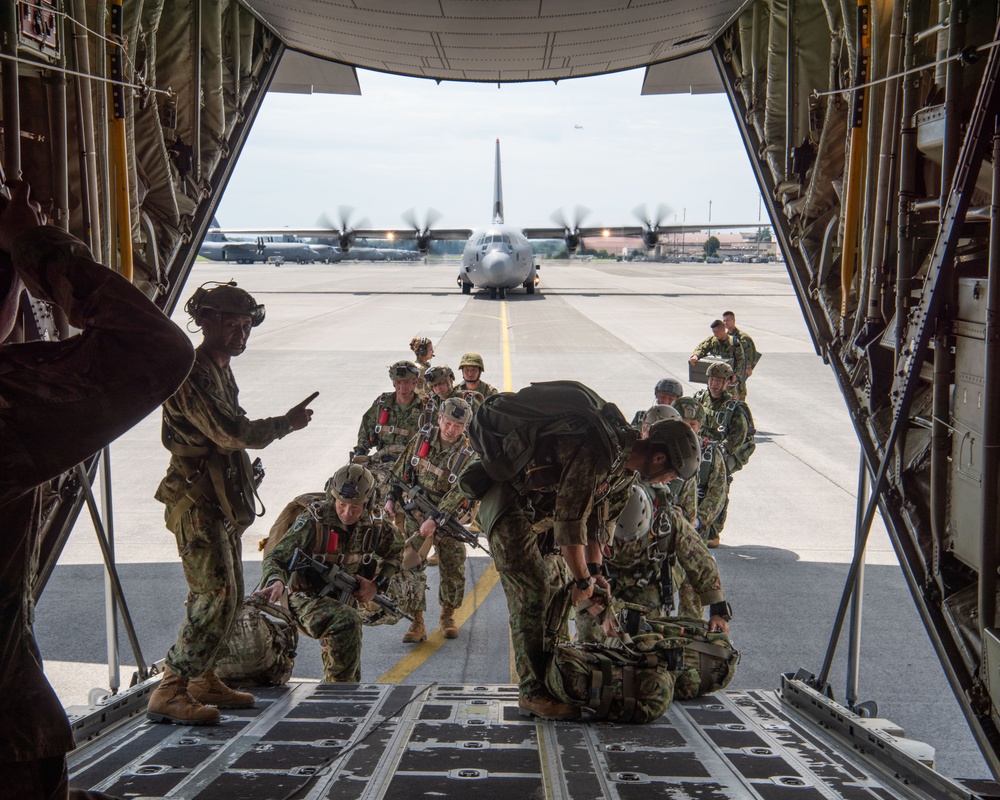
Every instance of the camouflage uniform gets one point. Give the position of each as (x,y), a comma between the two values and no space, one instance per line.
(205,412)
(713,481)
(750,357)
(482,387)
(401,425)
(684,494)
(712,346)
(735,432)
(432,472)
(60,402)
(365,548)
(635,568)
(506,516)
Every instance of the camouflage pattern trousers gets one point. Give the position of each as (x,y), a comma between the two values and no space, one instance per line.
(338,629)
(525,583)
(212,558)
(410,590)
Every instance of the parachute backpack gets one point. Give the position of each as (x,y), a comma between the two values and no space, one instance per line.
(738,459)
(260,649)
(507,425)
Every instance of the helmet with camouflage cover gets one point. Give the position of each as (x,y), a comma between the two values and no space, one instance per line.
(690,409)
(457,410)
(434,375)
(720,369)
(669,386)
(680,443)
(352,484)
(660,412)
(472,360)
(636,516)
(224,298)
(404,371)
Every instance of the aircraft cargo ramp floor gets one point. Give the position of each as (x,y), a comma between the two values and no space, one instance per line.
(309,740)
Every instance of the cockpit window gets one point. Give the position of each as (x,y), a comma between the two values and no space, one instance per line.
(506,239)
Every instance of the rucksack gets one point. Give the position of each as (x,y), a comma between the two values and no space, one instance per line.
(507,426)
(287,517)
(260,649)
(738,459)
(710,660)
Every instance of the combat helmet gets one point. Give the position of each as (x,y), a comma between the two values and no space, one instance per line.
(690,409)
(352,484)
(224,298)
(404,371)
(669,386)
(636,516)
(457,410)
(680,444)
(472,360)
(720,369)
(660,412)
(434,375)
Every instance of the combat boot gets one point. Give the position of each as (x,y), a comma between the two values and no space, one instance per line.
(171,702)
(432,559)
(208,689)
(713,543)
(447,623)
(416,632)
(545,706)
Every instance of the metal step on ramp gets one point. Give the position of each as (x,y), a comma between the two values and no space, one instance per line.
(309,740)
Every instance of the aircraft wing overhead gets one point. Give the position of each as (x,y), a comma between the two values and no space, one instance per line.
(360,233)
(591,231)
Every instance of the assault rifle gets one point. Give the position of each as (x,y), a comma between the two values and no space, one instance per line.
(332,581)
(415,499)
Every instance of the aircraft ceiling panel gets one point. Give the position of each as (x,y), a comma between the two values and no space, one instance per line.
(490,40)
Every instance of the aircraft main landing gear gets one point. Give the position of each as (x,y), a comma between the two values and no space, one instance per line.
(503,292)
(493,294)
(466,288)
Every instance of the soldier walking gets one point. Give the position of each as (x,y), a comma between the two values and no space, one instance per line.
(432,461)
(391,421)
(209,501)
(472,369)
(750,354)
(721,344)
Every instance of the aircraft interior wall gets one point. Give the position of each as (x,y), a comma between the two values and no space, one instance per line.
(885,201)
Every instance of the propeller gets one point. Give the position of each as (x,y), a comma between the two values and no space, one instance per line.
(422,230)
(344,229)
(571,230)
(651,234)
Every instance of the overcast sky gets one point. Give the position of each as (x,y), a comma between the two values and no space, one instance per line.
(408,143)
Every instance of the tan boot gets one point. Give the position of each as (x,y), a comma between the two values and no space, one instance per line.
(545,706)
(208,689)
(416,632)
(432,559)
(447,623)
(171,702)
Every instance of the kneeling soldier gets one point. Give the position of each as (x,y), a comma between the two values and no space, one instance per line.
(339,532)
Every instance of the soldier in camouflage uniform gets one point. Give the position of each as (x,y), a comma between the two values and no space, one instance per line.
(391,421)
(423,352)
(60,402)
(683,493)
(581,469)
(716,400)
(472,369)
(441,385)
(202,423)
(712,479)
(750,354)
(721,344)
(339,531)
(664,393)
(655,550)
(433,460)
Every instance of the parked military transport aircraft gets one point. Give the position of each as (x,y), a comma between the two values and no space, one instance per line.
(497,257)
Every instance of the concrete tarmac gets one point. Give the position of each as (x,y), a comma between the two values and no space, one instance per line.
(617,327)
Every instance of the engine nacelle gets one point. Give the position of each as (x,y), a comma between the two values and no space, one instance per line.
(650,238)
(423,243)
(572,242)
(345,242)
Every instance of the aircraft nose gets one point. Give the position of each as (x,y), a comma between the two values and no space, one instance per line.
(498,268)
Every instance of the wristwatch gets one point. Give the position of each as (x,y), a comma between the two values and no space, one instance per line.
(721,609)
(583,583)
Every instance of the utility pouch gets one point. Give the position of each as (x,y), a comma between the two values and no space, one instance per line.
(232,477)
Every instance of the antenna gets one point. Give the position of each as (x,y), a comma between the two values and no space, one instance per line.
(497,193)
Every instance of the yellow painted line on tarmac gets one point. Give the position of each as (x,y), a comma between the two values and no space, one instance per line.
(508,383)
(423,651)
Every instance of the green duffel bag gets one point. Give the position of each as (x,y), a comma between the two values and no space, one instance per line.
(710,660)
(260,650)
(610,682)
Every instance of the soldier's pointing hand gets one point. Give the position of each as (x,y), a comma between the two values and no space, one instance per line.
(299,416)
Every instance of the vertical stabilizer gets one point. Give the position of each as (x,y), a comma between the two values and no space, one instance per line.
(497,193)
(215,237)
